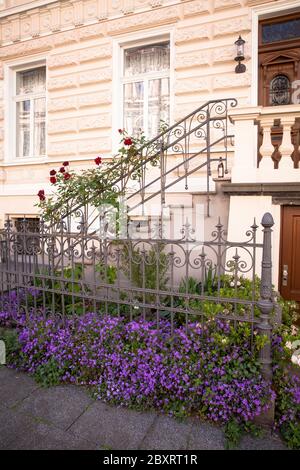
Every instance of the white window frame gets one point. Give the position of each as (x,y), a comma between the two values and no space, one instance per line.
(11,69)
(137,39)
(261,12)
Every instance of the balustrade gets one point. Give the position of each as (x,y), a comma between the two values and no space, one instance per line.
(267,144)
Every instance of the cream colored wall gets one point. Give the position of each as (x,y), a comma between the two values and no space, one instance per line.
(78,49)
(77,39)
(240,221)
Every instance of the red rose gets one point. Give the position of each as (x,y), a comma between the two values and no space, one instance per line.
(98,160)
(53,180)
(128,141)
(67,176)
(52,172)
(65,163)
(41,195)
(62,169)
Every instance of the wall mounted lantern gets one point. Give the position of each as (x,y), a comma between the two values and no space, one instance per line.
(240,43)
(220,169)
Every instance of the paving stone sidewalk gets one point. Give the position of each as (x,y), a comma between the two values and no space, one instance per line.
(66,417)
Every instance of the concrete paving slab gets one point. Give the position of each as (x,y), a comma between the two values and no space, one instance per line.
(264,443)
(205,436)
(65,417)
(60,405)
(13,426)
(113,428)
(167,434)
(20,431)
(15,386)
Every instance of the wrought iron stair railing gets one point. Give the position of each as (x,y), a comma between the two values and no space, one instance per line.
(190,145)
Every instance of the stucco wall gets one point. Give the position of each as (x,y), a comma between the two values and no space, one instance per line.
(77,40)
(240,221)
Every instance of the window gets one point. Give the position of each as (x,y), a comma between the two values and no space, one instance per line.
(280,90)
(281,31)
(30,112)
(146,88)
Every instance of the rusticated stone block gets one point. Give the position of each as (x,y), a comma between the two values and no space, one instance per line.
(144,20)
(94,146)
(63,60)
(193,33)
(60,39)
(61,126)
(94,122)
(193,59)
(90,32)
(95,76)
(233,25)
(192,85)
(93,53)
(94,99)
(231,81)
(63,82)
(218,4)
(62,148)
(61,104)
(197,7)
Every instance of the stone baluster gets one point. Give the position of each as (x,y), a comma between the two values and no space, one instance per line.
(286,148)
(266,150)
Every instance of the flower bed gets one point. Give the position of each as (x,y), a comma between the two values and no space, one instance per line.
(209,372)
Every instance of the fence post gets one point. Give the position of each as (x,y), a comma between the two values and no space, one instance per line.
(265,303)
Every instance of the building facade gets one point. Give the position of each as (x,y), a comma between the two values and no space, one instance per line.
(72,72)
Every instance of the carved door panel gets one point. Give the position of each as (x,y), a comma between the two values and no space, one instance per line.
(278,72)
(278,59)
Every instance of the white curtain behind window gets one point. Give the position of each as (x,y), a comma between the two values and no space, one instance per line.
(31,112)
(146,95)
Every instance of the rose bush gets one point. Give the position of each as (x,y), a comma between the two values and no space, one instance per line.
(104,184)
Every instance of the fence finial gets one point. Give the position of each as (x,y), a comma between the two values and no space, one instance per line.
(267,220)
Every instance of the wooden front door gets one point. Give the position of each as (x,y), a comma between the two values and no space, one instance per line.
(279,75)
(278,59)
(289,282)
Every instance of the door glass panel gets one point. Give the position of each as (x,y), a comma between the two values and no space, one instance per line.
(289,29)
(134,107)
(280,91)
(23,128)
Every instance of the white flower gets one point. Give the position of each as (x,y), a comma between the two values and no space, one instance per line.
(238,283)
(288,345)
(231,284)
(296,359)
(295,330)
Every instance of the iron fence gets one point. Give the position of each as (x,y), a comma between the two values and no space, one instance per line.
(184,280)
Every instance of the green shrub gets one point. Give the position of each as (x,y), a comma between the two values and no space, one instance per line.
(49,374)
